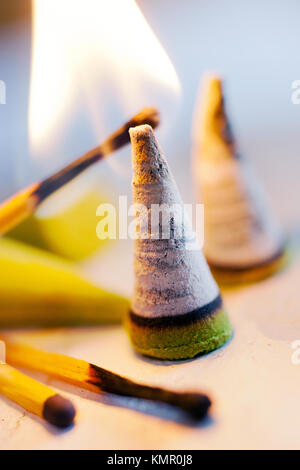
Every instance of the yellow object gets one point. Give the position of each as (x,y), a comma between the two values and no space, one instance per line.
(70,233)
(35,397)
(40,289)
(91,377)
(17,209)
(23,390)
(65,368)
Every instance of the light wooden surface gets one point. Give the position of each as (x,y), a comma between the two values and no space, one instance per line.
(252,380)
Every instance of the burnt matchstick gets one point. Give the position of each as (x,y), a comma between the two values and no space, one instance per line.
(36,397)
(98,380)
(22,205)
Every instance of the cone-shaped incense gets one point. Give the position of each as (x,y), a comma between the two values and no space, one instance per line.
(176,309)
(243,241)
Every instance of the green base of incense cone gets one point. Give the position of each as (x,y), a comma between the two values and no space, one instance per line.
(181,342)
(247,275)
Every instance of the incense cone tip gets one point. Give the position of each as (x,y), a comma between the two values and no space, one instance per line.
(212,127)
(59,411)
(213,85)
(213,77)
(141,131)
(149,165)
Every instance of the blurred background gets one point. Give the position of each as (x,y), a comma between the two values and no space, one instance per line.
(76,70)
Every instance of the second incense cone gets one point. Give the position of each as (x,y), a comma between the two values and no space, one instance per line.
(176,310)
(243,240)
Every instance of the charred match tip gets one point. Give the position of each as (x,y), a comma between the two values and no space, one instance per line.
(196,404)
(148,116)
(17,209)
(59,411)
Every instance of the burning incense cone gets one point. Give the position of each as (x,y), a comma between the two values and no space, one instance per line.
(176,310)
(19,207)
(36,397)
(95,379)
(243,241)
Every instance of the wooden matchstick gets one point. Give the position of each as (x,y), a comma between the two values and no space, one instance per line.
(35,397)
(22,205)
(95,379)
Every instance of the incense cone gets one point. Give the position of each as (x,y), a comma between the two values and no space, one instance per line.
(243,240)
(176,310)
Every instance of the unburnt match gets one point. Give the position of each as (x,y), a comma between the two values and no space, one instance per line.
(98,380)
(36,397)
(23,204)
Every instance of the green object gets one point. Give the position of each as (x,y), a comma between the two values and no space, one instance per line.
(182,342)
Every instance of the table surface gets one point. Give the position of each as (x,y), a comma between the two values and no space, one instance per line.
(253,382)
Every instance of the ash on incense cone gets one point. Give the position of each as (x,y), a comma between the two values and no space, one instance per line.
(243,241)
(176,310)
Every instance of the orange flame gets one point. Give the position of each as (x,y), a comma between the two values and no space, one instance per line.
(94,54)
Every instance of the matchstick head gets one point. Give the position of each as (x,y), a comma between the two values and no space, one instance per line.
(59,411)
(176,299)
(197,405)
(242,237)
